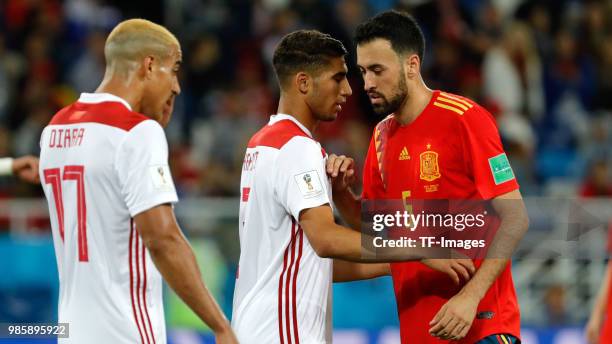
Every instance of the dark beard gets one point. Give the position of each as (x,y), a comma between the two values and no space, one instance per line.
(388,107)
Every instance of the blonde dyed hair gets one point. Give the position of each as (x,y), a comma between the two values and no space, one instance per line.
(134,39)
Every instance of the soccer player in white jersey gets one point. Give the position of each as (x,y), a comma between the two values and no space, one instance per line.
(104,170)
(291,249)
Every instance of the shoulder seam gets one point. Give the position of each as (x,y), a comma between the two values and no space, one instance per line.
(457,104)
(308,138)
(384,120)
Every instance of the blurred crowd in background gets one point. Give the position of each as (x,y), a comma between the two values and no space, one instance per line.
(543,68)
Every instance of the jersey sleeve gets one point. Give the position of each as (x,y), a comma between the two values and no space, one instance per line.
(142,166)
(485,156)
(300,179)
(373,186)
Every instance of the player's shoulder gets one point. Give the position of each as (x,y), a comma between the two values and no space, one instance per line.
(383,126)
(281,135)
(385,122)
(113,114)
(458,108)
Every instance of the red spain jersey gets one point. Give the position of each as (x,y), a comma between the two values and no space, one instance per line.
(452,150)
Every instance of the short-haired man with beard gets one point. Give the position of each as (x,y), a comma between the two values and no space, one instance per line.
(434,145)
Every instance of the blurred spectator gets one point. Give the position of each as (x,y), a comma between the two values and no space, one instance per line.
(88,71)
(554,303)
(512,74)
(603,101)
(598,182)
(569,83)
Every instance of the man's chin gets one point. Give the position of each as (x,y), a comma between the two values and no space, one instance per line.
(327,117)
(381,110)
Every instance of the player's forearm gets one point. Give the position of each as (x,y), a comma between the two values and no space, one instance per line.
(345,271)
(484,277)
(349,206)
(340,242)
(176,262)
(330,240)
(599,307)
(513,226)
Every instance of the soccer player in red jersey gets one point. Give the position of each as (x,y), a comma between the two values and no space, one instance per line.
(434,145)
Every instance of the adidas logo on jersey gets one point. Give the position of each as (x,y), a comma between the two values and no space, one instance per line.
(404,154)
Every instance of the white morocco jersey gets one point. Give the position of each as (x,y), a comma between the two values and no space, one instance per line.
(101,164)
(283,289)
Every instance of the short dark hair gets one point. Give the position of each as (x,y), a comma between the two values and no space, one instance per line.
(304,50)
(399,28)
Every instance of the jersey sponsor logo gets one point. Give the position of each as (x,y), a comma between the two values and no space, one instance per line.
(160,174)
(500,168)
(309,183)
(430,170)
(404,154)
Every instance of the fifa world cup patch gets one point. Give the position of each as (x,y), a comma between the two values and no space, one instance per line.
(162,179)
(500,168)
(309,183)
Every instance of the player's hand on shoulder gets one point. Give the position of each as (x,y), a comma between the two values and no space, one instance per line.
(454,319)
(26,168)
(457,269)
(341,170)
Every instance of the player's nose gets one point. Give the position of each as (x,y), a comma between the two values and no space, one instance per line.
(346,89)
(176,87)
(368,82)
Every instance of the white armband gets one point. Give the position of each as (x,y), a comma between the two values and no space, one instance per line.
(6,166)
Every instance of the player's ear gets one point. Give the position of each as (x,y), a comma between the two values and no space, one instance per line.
(303,82)
(147,66)
(412,65)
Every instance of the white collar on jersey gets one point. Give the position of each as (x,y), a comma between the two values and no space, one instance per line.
(282,116)
(94,98)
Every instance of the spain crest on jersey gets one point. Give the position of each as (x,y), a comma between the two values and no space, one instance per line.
(430,170)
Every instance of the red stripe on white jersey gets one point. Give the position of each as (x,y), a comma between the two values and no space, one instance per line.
(132,232)
(280,294)
(288,285)
(300,237)
(144,292)
(144,326)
